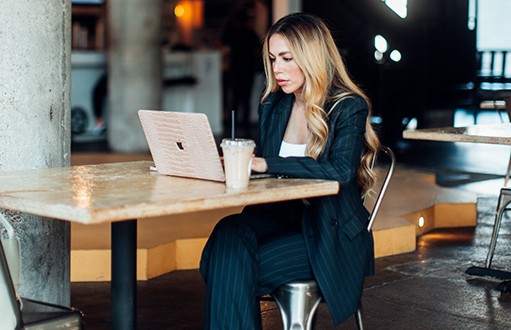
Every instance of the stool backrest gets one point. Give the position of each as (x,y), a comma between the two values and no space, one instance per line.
(9,304)
(389,171)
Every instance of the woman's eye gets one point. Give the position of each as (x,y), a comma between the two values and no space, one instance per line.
(287,59)
(272,59)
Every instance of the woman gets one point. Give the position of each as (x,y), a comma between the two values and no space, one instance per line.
(313,123)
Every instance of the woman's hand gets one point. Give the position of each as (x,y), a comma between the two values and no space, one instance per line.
(259,165)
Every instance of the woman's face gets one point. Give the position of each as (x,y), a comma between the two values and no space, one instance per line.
(287,72)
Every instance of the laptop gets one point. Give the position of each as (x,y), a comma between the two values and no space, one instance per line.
(182,144)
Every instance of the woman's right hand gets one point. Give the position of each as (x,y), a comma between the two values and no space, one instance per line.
(259,164)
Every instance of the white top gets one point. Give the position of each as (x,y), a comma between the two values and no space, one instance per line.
(292,150)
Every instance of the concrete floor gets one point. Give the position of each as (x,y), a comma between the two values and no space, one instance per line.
(426,289)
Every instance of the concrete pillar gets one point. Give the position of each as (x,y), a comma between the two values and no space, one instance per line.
(35,62)
(134,69)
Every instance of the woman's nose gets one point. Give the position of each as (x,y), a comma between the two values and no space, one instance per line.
(277,67)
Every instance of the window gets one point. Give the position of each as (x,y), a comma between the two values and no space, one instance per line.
(493,24)
(493,37)
(398,6)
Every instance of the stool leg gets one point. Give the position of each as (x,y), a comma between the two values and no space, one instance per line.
(504,200)
(493,242)
(358,316)
(506,179)
(298,303)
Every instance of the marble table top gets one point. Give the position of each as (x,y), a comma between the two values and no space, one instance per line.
(129,190)
(492,134)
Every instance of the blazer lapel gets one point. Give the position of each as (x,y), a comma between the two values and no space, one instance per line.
(277,125)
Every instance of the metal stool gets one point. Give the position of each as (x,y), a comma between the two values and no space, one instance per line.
(502,206)
(25,314)
(504,200)
(298,300)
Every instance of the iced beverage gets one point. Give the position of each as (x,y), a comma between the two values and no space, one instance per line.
(237,161)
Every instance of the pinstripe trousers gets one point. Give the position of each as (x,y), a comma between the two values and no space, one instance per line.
(249,255)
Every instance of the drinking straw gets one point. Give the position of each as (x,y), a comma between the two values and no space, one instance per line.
(232,124)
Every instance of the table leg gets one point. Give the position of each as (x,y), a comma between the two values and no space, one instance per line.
(124,275)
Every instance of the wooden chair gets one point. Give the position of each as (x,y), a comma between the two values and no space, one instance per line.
(299,300)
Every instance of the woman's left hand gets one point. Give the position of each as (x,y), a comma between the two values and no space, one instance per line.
(259,164)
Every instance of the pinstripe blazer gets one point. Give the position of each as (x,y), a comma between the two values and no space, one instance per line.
(340,248)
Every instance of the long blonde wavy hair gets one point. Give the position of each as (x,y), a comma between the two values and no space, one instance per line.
(326,80)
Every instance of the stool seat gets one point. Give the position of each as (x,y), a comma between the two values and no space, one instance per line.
(298,302)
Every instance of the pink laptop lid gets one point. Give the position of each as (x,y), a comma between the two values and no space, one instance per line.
(182,144)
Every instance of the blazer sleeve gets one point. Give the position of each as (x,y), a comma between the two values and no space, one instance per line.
(341,156)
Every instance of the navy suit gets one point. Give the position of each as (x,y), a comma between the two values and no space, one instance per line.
(324,238)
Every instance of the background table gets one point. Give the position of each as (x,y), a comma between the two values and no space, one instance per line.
(494,134)
(120,193)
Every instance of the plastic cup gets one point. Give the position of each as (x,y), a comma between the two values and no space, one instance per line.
(237,161)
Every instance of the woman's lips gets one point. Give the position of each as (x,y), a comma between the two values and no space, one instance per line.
(281,82)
